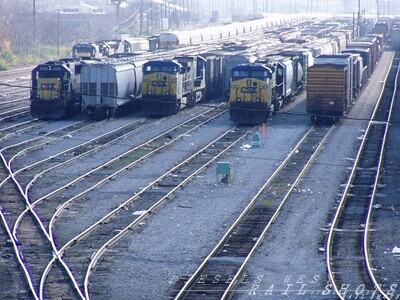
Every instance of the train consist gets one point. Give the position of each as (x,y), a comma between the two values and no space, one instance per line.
(332,75)
(56,94)
(257,75)
(335,81)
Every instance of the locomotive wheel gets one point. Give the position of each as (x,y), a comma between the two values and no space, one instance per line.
(177,105)
(191,101)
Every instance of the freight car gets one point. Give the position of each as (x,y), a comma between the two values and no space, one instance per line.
(169,85)
(258,90)
(329,89)
(395,37)
(381,28)
(225,31)
(112,86)
(56,89)
(305,58)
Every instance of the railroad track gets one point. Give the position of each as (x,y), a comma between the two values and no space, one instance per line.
(25,220)
(11,277)
(150,198)
(13,131)
(348,255)
(78,250)
(13,73)
(228,259)
(14,112)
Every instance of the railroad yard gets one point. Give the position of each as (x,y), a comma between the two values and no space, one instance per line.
(191,205)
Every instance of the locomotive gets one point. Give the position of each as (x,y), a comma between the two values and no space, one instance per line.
(56,89)
(169,85)
(260,89)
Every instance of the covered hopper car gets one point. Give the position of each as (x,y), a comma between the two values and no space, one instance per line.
(110,87)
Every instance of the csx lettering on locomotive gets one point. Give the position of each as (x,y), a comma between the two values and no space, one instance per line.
(249,90)
(48,86)
(160,83)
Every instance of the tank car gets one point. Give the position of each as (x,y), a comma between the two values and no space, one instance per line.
(289,75)
(372,48)
(110,87)
(366,55)
(329,88)
(169,85)
(56,89)
(305,58)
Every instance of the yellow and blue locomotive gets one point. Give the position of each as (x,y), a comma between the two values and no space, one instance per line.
(56,89)
(252,93)
(259,89)
(169,85)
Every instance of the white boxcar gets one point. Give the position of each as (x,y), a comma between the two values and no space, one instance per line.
(109,87)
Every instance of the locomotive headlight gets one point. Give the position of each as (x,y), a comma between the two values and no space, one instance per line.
(148,92)
(238,99)
(258,100)
(332,103)
(167,93)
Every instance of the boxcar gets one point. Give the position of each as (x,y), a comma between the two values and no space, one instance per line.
(328,91)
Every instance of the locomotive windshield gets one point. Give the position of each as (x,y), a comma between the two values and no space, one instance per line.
(259,74)
(237,74)
(49,74)
(172,69)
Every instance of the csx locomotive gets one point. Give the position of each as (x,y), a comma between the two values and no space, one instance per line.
(169,85)
(56,89)
(259,89)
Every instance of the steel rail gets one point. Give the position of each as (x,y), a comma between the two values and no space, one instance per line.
(343,199)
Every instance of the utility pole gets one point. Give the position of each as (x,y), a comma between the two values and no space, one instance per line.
(34,19)
(377,10)
(117,4)
(359,18)
(141,18)
(58,32)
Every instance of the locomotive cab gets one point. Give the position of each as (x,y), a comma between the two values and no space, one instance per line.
(169,85)
(55,90)
(251,97)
